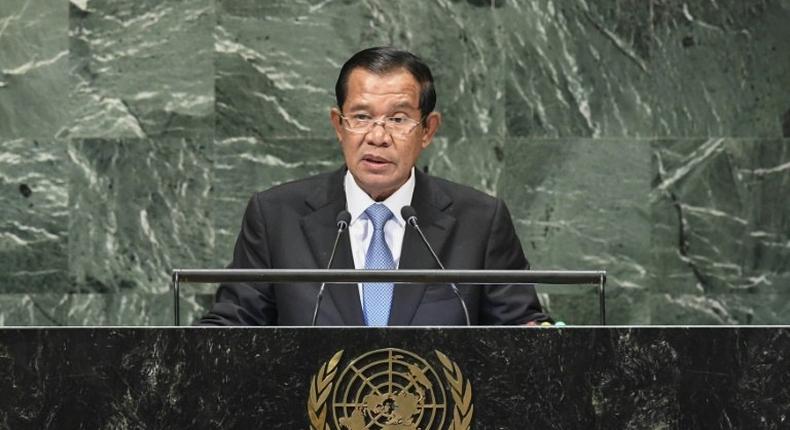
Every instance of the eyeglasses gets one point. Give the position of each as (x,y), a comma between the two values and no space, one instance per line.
(396,126)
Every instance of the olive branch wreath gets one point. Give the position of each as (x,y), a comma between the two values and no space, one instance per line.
(321,386)
(462,394)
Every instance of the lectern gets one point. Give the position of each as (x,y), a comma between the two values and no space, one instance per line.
(437,378)
(484,378)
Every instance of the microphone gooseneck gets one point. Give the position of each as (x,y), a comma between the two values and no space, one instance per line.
(342,221)
(410,215)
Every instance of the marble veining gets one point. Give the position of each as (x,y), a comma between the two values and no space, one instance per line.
(645,137)
(34,56)
(141,69)
(690,378)
(33,216)
(139,209)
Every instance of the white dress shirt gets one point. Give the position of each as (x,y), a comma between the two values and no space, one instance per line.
(360,229)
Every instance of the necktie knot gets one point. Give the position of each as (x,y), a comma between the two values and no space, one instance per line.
(379,215)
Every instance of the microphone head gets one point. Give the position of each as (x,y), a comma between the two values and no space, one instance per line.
(409,214)
(343,219)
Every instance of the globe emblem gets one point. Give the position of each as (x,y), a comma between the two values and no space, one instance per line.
(389,389)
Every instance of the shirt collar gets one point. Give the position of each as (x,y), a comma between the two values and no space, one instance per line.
(357,200)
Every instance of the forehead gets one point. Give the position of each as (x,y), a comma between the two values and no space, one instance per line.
(367,89)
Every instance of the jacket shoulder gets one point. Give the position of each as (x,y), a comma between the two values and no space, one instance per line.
(463,194)
(296,190)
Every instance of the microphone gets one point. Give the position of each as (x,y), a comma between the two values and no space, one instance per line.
(343,219)
(410,215)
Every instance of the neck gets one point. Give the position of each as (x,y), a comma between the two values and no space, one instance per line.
(381,195)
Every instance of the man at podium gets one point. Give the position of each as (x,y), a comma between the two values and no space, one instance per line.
(384,119)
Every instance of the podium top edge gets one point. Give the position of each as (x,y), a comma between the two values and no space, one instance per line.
(401,276)
(566,327)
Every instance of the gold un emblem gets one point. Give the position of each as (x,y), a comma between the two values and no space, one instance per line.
(389,389)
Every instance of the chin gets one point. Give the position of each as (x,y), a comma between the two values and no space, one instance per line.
(378,186)
(376,179)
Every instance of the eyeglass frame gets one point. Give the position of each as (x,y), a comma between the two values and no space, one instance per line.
(381,120)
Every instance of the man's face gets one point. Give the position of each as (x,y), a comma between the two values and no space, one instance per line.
(379,162)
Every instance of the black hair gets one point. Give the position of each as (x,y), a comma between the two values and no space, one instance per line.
(382,60)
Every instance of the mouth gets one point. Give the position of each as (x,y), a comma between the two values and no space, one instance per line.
(375,160)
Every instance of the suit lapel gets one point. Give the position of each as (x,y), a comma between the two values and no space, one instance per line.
(430,203)
(320,229)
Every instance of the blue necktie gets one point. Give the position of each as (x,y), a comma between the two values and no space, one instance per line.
(377,296)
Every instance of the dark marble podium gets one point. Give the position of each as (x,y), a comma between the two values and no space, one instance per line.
(522,378)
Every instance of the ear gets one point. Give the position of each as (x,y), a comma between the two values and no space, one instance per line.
(337,122)
(432,123)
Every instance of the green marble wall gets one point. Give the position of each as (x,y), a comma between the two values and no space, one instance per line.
(647,137)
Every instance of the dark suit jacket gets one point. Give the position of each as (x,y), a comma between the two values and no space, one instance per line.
(292,226)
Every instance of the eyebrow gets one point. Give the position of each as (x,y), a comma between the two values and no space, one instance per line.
(365,106)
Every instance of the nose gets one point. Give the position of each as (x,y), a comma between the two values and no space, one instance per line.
(378,135)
